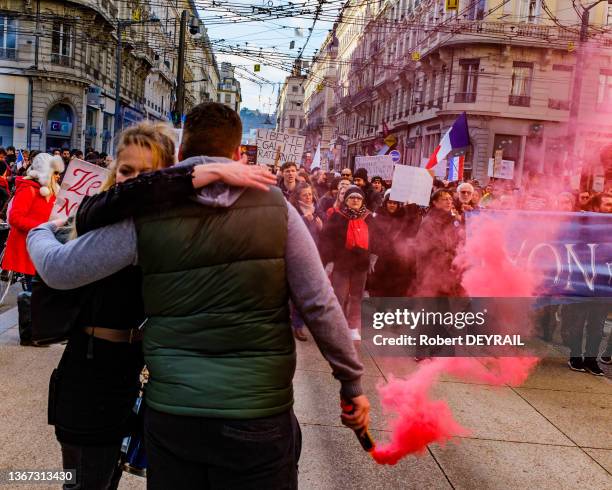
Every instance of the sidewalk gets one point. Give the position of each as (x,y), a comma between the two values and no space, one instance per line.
(555,432)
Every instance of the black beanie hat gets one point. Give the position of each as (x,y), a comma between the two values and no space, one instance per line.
(353,190)
(361,173)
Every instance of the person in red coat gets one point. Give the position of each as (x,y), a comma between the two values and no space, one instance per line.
(32,203)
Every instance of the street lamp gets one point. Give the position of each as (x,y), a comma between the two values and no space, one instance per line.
(121,24)
(194,28)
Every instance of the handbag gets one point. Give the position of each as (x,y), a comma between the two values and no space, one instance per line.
(54,312)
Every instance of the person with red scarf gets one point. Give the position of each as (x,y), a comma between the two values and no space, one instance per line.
(345,242)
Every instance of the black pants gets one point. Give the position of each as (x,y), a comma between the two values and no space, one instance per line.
(96,467)
(206,453)
(588,317)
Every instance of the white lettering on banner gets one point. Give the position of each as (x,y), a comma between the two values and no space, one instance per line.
(81,179)
(274,146)
(411,184)
(377,165)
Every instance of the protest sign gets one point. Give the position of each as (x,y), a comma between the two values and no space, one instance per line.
(411,184)
(570,253)
(379,165)
(275,147)
(250,152)
(81,179)
(504,169)
(439,170)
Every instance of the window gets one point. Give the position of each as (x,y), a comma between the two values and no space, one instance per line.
(520,92)
(530,10)
(560,87)
(294,89)
(469,81)
(292,122)
(301,123)
(61,43)
(228,98)
(604,94)
(477,10)
(8,37)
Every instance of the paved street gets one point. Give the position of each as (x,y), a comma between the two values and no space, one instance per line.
(554,432)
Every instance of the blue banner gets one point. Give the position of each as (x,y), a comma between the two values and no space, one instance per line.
(572,252)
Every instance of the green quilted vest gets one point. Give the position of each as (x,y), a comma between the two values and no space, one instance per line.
(218,342)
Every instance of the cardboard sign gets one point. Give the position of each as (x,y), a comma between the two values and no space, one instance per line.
(504,170)
(411,184)
(81,179)
(250,152)
(380,165)
(274,147)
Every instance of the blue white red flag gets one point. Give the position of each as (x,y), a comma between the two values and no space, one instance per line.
(455,168)
(457,137)
(19,160)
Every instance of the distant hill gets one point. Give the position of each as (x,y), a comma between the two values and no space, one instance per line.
(253,119)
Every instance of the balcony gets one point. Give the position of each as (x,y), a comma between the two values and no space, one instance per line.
(561,105)
(519,100)
(61,59)
(361,97)
(465,97)
(8,53)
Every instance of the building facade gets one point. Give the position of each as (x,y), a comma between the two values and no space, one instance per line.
(58,65)
(290,104)
(319,99)
(407,68)
(229,92)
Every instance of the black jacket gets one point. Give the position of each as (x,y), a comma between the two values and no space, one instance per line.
(332,244)
(93,390)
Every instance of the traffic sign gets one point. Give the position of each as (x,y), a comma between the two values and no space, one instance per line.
(395,156)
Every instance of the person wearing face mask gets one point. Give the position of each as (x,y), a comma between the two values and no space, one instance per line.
(345,243)
(394,229)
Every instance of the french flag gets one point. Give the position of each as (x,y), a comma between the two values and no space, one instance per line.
(455,168)
(456,138)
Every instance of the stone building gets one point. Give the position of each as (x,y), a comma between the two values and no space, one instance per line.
(290,104)
(58,68)
(229,92)
(319,99)
(408,68)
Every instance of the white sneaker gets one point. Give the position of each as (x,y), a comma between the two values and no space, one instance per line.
(355,334)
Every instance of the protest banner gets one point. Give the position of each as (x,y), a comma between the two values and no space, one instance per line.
(250,152)
(81,179)
(377,165)
(504,169)
(274,147)
(570,252)
(411,184)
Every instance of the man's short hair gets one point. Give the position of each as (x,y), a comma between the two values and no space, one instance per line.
(436,195)
(287,165)
(597,199)
(211,129)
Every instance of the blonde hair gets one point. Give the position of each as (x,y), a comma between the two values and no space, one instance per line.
(157,137)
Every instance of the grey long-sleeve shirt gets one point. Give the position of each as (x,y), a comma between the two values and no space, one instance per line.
(103,252)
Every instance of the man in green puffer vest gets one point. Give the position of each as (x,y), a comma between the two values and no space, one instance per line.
(218,276)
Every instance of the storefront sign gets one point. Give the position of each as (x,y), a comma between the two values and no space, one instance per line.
(59,128)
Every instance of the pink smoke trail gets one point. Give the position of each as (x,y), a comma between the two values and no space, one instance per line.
(417,420)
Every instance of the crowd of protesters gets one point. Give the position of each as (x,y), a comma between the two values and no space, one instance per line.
(372,245)
(220,351)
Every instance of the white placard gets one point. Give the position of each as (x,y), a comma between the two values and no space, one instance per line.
(411,184)
(505,169)
(274,146)
(377,165)
(439,170)
(81,179)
